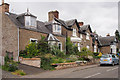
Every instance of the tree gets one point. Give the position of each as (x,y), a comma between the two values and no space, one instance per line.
(31,50)
(69,46)
(117,35)
(43,46)
(85,53)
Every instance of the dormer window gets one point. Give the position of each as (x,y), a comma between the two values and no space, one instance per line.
(87,36)
(56,28)
(30,20)
(74,32)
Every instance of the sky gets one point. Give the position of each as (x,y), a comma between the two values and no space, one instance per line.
(102,16)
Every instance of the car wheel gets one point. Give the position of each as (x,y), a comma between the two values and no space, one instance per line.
(118,63)
(113,63)
(100,64)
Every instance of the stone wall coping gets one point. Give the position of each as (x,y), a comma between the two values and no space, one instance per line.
(63,63)
(30,58)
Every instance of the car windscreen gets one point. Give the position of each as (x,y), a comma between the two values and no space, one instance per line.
(105,56)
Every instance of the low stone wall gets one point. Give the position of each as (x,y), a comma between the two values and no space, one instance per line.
(74,64)
(36,62)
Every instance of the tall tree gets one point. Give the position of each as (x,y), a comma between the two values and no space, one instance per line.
(117,34)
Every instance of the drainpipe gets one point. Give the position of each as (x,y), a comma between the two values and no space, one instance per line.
(18,46)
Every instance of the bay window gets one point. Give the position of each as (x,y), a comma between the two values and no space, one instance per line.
(74,32)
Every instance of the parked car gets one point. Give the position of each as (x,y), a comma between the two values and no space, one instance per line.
(109,59)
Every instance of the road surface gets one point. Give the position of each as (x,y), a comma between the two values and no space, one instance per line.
(95,71)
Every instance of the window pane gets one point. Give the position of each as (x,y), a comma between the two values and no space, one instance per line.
(27,20)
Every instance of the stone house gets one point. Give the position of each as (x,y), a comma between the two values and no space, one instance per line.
(108,44)
(80,34)
(19,30)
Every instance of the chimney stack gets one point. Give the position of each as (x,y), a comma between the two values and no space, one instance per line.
(81,23)
(53,14)
(108,34)
(4,7)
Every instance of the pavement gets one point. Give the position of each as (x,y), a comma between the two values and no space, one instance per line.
(89,71)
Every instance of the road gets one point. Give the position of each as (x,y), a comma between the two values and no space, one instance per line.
(80,72)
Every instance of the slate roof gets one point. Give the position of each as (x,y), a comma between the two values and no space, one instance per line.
(106,41)
(85,28)
(50,37)
(67,24)
(19,22)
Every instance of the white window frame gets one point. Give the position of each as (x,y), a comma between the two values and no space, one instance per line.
(30,20)
(33,39)
(79,46)
(95,48)
(55,28)
(74,32)
(87,36)
(27,20)
(60,46)
(113,47)
(88,47)
(81,36)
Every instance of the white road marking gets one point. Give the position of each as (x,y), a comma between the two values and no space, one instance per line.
(93,75)
(112,69)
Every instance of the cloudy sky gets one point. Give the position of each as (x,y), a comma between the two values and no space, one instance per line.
(102,16)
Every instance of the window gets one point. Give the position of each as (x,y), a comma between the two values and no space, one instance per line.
(60,46)
(33,40)
(27,20)
(74,32)
(33,21)
(81,36)
(30,21)
(79,46)
(88,47)
(95,48)
(56,28)
(113,48)
(87,36)
(74,43)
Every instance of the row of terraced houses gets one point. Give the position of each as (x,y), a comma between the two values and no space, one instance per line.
(18,29)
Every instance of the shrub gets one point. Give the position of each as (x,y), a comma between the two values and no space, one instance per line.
(46,61)
(23,53)
(95,53)
(82,59)
(9,65)
(43,46)
(19,72)
(58,60)
(69,46)
(32,50)
(85,52)
(57,52)
(71,58)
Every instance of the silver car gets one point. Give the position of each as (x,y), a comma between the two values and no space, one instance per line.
(109,59)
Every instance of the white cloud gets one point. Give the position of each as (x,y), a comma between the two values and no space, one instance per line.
(102,16)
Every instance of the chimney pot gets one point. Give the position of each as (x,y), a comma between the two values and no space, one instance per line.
(4,7)
(81,23)
(53,14)
(108,34)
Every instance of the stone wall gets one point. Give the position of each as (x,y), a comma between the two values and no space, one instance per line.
(25,36)
(36,62)
(9,37)
(105,49)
